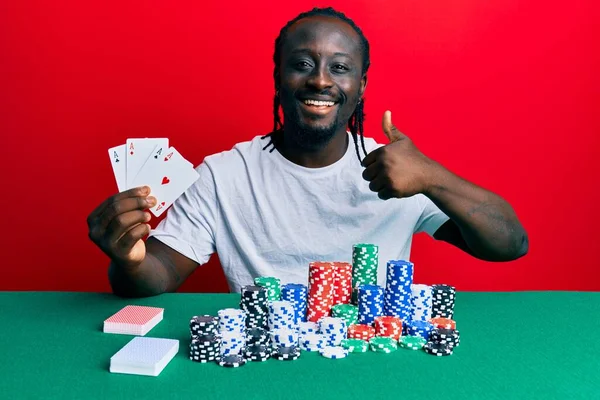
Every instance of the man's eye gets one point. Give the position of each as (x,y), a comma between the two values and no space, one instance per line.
(340,67)
(302,64)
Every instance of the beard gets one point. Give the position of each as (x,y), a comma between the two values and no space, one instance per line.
(308,137)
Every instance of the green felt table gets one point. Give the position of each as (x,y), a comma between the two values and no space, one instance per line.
(524,345)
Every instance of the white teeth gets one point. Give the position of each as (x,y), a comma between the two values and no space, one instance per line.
(319,103)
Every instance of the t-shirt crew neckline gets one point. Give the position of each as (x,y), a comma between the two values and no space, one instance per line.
(299,169)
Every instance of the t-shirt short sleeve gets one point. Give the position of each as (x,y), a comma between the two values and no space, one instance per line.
(431,217)
(190,223)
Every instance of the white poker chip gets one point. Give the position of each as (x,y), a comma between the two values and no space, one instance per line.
(334,352)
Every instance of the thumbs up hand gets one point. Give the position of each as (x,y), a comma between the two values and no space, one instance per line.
(397,169)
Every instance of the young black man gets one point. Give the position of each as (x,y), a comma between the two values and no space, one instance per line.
(308,190)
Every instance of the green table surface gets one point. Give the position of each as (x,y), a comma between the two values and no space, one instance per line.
(524,345)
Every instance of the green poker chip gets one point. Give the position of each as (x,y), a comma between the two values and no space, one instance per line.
(412,342)
(272,284)
(381,344)
(355,345)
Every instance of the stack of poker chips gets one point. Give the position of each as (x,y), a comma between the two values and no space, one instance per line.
(272,285)
(320,290)
(442,341)
(419,328)
(296,294)
(232,329)
(361,331)
(381,344)
(421,302)
(347,312)
(398,293)
(257,336)
(205,344)
(257,352)
(342,283)
(370,303)
(281,315)
(284,337)
(254,301)
(388,326)
(412,342)
(334,352)
(355,345)
(443,301)
(309,337)
(365,261)
(333,329)
(312,342)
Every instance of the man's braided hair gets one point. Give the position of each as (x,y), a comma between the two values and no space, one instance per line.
(355,122)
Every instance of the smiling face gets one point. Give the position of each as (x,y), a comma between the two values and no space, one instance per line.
(320,79)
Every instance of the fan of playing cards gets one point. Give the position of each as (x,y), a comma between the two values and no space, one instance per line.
(151,162)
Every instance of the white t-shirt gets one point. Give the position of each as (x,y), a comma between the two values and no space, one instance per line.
(266,216)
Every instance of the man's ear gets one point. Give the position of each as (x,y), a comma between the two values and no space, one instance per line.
(363,85)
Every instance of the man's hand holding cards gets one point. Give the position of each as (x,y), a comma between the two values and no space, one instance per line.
(151,162)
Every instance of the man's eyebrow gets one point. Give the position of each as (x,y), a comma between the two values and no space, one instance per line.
(304,50)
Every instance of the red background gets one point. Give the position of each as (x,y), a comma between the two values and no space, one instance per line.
(505,93)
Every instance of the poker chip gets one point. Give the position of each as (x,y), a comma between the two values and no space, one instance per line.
(442,304)
(320,290)
(231,361)
(286,353)
(421,302)
(412,342)
(307,327)
(398,292)
(284,337)
(388,326)
(419,328)
(365,261)
(232,343)
(257,352)
(347,312)
(204,325)
(370,303)
(333,329)
(334,352)
(272,285)
(444,323)
(232,320)
(257,336)
(361,331)
(437,349)
(254,302)
(205,348)
(296,294)
(312,342)
(381,344)
(451,337)
(355,345)
(281,315)
(342,283)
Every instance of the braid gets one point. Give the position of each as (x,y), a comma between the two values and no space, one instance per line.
(357,119)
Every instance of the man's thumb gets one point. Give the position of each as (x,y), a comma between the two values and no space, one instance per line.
(389,129)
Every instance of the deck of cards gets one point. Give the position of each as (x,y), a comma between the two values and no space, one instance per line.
(133,320)
(151,162)
(144,356)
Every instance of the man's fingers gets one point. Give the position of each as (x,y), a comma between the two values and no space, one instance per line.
(379,183)
(123,222)
(371,157)
(141,191)
(132,236)
(371,171)
(392,133)
(124,206)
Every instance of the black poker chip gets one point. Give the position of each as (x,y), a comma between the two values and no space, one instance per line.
(437,349)
(286,353)
(232,361)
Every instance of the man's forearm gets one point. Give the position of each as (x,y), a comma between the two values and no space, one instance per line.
(148,279)
(487,222)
